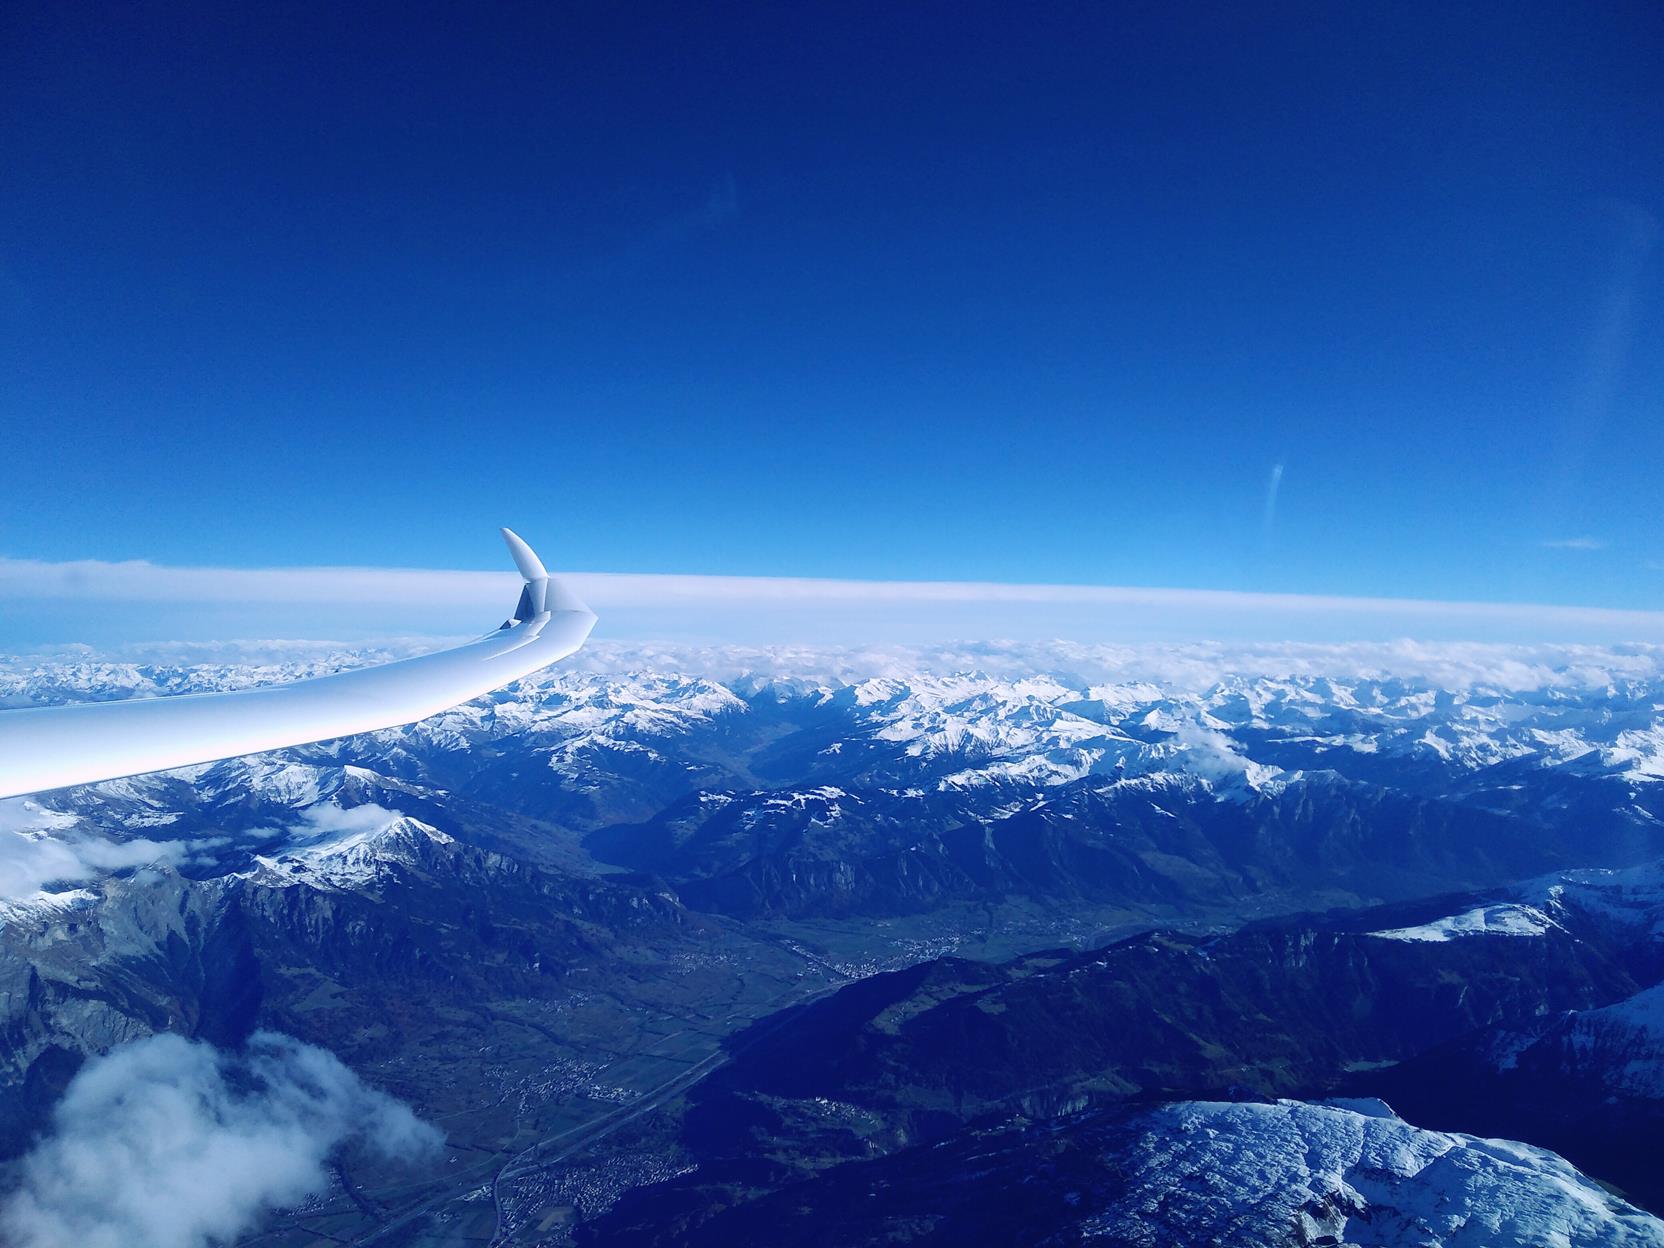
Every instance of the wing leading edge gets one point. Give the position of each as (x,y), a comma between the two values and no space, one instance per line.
(51,747)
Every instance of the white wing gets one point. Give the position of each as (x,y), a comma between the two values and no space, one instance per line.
(50,747)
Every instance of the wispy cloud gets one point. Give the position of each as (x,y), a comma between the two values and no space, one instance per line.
(1273,484)
(375,601)
(1575,543)
(171,1143)
(1631,233)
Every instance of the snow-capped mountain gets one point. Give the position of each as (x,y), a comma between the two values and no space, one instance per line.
(1049,723)
(356,853)
(719,781)
(1246,1175)
(588,860)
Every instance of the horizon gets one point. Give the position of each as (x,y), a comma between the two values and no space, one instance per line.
(138,603)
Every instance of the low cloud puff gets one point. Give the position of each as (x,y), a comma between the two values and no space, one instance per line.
(326,822)
(1214,756)
(171,1143)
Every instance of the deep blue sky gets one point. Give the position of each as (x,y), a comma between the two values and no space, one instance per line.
(1026,292)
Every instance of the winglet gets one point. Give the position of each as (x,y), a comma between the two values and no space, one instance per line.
(525,558)
(542,592)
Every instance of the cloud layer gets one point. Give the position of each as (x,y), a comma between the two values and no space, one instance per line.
(81,600)
(171,1143)
(1191,667)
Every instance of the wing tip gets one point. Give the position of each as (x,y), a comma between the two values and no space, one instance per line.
(525,558)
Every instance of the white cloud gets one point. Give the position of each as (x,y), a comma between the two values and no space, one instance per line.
(40,847)
(1575,543)
(1214,756)
(326,821)
(170,1143)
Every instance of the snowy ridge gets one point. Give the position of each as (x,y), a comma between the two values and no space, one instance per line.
(1629,898)
(1248,1175)
(356,856)
(1506,919)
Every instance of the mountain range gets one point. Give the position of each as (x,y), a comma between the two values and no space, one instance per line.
(681,947)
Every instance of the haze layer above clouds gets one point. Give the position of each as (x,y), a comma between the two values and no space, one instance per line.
(109,604)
